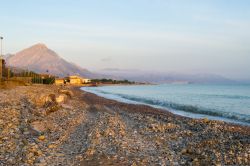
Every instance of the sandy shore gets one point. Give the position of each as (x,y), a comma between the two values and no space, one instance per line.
(50,125)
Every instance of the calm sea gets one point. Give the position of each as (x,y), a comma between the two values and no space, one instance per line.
(221,102)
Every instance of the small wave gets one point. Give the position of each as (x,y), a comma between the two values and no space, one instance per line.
(228,96)
(188,108)
(181,107)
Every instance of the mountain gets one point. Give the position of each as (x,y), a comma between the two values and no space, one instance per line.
(41,59)
(163,77)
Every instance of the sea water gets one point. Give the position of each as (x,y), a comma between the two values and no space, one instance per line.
(219,102)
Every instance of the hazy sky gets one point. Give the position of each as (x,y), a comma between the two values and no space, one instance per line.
(186,36)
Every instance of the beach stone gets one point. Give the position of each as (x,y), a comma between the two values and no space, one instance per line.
(26,133)
(90,152)
(61,99)
(101,131)
(66,92)
(38,126)
(52,108)
(184,151)
(41,138)
(52,146)
(30,162)
(205,120)
(45,100)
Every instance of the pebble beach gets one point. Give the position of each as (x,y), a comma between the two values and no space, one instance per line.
(53,125)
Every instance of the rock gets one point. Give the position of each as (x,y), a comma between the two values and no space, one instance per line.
(239,159)
(52,109)
(90,152)
(184,151)
(66,92)
(70,107)
(30,162)
(205,120)
(30,155)
(38,126)
(41,137)
(52,146)
(42,161)
(134,164)
(26,133)
(46,100)
(61,99)
(163,127)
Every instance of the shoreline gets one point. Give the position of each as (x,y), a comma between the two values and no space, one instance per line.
(180,113)
(164,117)
(158,111)
(81,128)
(135,84)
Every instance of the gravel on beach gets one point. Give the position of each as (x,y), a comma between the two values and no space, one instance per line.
(53,125)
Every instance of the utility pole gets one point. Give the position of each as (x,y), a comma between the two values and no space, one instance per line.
(1,60)
(1,38)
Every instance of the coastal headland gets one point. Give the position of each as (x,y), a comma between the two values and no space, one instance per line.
(63,125)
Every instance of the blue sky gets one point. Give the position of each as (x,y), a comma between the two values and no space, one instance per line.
(185,36)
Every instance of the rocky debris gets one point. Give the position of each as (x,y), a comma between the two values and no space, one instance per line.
(45,100)
(39,126)
(163,127)
(66,92)
(61,99)
(122,135)
(88,130)
(50,99)
(41,138)
(29,126)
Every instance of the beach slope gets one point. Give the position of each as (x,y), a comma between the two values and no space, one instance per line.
(50,125)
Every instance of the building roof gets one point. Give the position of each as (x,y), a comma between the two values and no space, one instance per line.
(74,76)
(60,79)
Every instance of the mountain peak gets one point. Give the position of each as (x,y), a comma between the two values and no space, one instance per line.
(40,58)
(39,46)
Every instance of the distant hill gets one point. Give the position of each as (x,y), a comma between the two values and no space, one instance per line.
(41,59)
(163,77)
